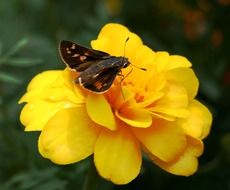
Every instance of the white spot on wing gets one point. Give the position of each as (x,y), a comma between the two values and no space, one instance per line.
(83,58)
(73,46)
(80,80)
(76,55)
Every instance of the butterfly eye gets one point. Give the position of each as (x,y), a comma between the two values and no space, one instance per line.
(126,63)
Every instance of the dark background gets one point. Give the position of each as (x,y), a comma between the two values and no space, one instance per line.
(29,34)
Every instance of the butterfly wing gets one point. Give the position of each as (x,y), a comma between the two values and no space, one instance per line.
(100,76)
(102,82)
(78,57)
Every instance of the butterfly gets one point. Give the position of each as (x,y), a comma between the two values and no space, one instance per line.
(97,70)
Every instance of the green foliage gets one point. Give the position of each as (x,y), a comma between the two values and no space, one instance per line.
(38,179)
(29,36)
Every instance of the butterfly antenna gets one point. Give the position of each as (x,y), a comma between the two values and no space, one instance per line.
(127,39)
(143,69)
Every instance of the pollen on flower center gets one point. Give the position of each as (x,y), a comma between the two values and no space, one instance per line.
(139,97)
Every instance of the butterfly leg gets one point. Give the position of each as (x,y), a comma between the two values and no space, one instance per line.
(122,77)
(129,72)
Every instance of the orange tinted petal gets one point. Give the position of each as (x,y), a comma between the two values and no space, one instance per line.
(117,155)
(69,136)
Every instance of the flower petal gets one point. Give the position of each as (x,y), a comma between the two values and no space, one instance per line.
(175,96)
(177,61)
(187,163)
(53,86)
(43,79)
(68,137)
(198,123)
(161,60)
(135,117)
(99,111)
(173,103)
(38,83)
(176,112)
(186,78)
(35,114)
(142,57)
(150,98)
(165,140)
(115,46)
(117,155)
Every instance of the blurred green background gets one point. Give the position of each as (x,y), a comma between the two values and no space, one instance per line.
(29,34)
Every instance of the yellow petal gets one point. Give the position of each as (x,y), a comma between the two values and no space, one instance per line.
(186,78)
(64,88)
(163,116)
(177,61)
(38,83)
(150,98)
(165,140)
(99,111)
(53,86)
(43,79)
(117,155)
(161,61)
(116,45)
(164,61)
(57,94)
(113,29)
(175,96)
(35,114)
(142,57)
(68,137)
(175,112)
(173,103)
(198,123)
(135,117)
(157,82)
(187,163)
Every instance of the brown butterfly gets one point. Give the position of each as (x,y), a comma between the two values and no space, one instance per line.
(97,69)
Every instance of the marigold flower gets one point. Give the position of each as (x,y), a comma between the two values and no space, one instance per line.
(152,111)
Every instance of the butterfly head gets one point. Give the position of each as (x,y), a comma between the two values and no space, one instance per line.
(125,62)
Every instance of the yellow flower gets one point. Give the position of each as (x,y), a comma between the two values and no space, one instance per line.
(153,111)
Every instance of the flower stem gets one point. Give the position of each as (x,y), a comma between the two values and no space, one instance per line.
(92,178)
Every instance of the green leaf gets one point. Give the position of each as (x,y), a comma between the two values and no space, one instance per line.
(18,46)
(6,77)
(22,62)
(0,48)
